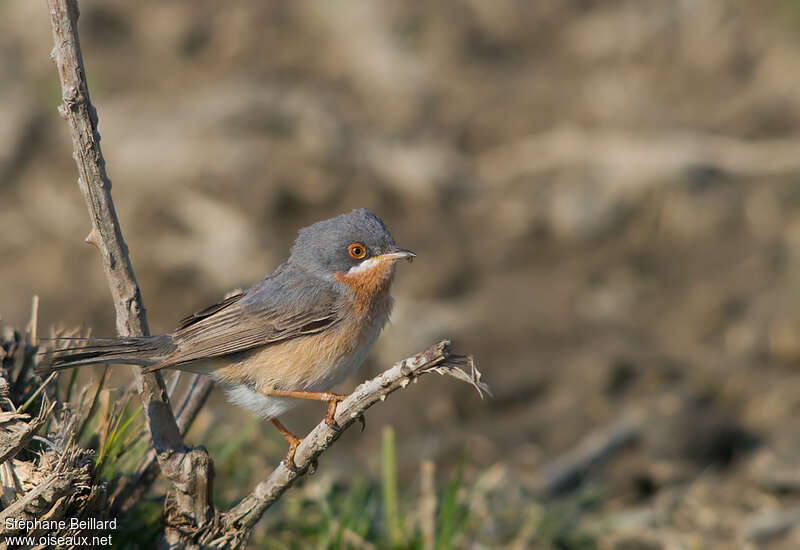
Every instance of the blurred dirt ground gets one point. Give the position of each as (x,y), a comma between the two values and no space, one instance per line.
(603,197)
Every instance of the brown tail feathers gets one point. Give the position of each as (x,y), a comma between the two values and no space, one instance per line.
(143,350)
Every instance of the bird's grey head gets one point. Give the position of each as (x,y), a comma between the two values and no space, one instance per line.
(344,243)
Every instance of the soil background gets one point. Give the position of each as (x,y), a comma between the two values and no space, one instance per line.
(603,198)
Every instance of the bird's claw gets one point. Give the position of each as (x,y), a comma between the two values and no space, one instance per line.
(288,460)
(290,465)
(329,416)
(332,424)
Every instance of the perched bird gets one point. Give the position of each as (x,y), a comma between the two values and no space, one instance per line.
(294,334)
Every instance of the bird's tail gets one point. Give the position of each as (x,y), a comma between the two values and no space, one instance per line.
(141,350)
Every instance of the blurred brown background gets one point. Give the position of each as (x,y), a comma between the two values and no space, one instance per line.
(603,198)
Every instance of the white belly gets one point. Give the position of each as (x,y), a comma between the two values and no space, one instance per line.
(264,406)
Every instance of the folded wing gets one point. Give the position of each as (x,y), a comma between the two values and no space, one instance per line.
(285,305)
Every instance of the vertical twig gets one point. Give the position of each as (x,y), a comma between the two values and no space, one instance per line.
(427,505)
(193,497)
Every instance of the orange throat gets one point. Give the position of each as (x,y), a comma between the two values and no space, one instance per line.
(369,283)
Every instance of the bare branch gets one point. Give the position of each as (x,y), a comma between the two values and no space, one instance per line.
(16,430)
(107,237)
(193,401)
(146,472)
(231,529)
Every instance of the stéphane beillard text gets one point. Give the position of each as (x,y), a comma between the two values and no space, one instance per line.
(92,524)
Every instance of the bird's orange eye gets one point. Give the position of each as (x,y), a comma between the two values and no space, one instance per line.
(357,250)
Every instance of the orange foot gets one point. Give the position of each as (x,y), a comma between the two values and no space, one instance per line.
(333,402)
(332,399)
(293,442)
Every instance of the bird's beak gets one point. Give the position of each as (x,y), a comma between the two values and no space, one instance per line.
(396,253)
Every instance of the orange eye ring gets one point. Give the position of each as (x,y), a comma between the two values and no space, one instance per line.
(357,251)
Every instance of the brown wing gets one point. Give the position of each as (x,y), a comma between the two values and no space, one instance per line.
(209,311)
(274,311)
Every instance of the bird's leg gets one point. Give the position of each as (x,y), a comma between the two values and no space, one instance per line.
(293,442)
(332,399)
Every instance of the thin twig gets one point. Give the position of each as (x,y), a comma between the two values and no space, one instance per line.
(194,400)
(33,396)
(32,331)
(426,511)
(107,237)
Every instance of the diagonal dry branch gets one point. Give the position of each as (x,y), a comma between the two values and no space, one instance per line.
(16,430)
(107,237)
(231,529)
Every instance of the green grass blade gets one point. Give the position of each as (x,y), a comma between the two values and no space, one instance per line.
(114,439)
(449,513)
(95,400)
(73,376)
(36,393)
